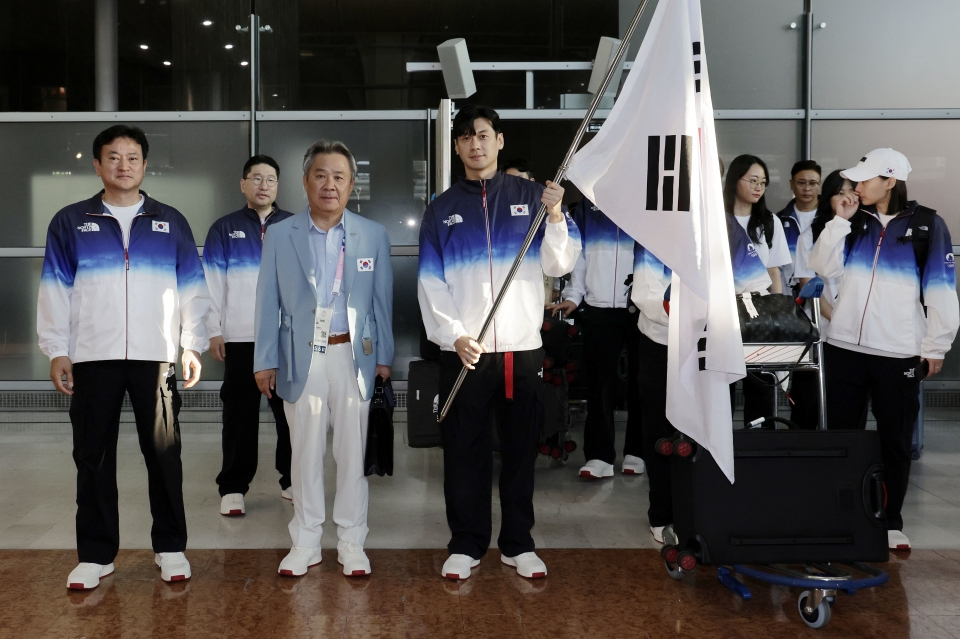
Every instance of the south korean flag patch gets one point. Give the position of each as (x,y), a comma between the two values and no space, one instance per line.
(365,264)
(161,227)
(519,209)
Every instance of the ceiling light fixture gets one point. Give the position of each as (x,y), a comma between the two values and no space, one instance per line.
(244,63)
(228,46)
(207,23)
(144,47)
(166,63)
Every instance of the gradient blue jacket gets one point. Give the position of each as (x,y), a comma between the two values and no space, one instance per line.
(231,262)
(469,238)
(651,279)
(99,301)
(605,263)
(878,305)
(791,232)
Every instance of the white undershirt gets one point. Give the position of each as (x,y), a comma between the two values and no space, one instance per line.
(125,215)
(885,219)
(804,217)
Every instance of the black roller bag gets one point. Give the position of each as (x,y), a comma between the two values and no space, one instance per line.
(799,497)
(423,398)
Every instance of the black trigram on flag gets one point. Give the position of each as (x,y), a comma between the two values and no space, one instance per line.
(675,175)
(696,64)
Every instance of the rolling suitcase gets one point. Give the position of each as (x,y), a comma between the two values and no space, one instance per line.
(799,497)
(423,397)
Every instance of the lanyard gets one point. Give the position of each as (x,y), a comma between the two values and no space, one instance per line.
(338,277)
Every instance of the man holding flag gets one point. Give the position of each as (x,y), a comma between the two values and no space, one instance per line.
(658,147)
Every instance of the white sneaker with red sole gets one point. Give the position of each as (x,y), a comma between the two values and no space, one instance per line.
(87,576)
(657,532)
(173,566)
(297,561)
(231,505)
(896,540)
(596,469)
(458,566)
(632,465)
(286,494)
(527,564)
(354,561)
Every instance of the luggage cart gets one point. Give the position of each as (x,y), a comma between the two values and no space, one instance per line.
(821,581)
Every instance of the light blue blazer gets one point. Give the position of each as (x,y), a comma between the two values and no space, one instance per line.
(287,302)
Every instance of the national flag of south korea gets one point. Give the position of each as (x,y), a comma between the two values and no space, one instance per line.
(653,169)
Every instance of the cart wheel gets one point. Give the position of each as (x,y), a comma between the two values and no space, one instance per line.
(669,555)
(569,445)
(830,600)
(544,449)
(819,617)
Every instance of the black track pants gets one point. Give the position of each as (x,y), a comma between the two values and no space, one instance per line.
(605,333)
(241,423)
(467,450)
(653,397)
(889,383)
(95,414)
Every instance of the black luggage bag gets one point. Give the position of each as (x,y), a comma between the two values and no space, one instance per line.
(423,397)
(799,497)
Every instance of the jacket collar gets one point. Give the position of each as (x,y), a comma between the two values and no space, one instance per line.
(301,244)
(910,210)
(270,219)
(476,186)
(95,205)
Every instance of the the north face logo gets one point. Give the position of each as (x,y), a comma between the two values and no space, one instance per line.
(237,235)
(453,219)
(89,226)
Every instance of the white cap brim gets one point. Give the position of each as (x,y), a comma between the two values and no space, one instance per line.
(858,174)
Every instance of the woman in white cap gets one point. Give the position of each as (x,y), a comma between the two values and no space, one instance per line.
(896,314)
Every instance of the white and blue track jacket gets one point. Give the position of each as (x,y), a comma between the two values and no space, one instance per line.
(600,275)
(878,306)
(651,279)
(98,301)
(231,262)
(469,238)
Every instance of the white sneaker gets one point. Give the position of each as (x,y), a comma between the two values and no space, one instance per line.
(173,566)
(87,576)
(657,532)
(231,505)
(353,559)
(596,469)
(286,494)
(632,465)
(896,540)
(458,566)
(298,560)
(527,564)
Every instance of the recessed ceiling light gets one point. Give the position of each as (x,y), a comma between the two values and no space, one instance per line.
(274,95)
(244,63)
(144,47)
(207,23)
(79,155)
(228,46)
(166,63)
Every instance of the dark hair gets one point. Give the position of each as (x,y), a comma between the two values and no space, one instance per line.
(831,186)
(805,165)
(463,122)
(260,159)
(898,196)
(117,131)
(760,215)
(519,164)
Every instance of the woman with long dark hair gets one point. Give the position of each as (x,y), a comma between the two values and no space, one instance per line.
(744,195)
(895,316)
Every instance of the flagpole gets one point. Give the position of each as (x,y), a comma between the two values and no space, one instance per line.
(542,213)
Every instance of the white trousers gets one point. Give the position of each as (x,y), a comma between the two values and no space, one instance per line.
(331,397)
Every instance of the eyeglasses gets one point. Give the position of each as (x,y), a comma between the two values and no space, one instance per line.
(807,185)
(756,184)
(259,179)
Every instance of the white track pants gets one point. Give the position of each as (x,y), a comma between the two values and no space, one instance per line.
(331,397)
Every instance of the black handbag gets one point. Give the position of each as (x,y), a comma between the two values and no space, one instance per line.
(378,459)
(777,319)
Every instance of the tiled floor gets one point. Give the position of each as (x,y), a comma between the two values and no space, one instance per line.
(602,594)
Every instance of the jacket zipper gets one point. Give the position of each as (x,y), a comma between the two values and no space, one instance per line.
(616,266)
(486,219)
(873,274)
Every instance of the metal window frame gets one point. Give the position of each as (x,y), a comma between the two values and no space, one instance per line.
(127,116)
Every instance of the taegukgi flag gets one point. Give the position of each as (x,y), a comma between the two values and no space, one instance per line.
(653,169)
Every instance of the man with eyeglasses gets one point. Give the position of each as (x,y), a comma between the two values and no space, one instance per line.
(797,218)
(231,260)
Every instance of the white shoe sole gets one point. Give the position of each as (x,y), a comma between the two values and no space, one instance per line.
(631,471)
(353,573)
(76,585)
(456,577)
(290,573)
(511,562)
(587,474)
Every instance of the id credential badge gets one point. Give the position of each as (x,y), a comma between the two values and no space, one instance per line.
(321,327)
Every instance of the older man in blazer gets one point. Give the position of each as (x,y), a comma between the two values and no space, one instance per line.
(323,334)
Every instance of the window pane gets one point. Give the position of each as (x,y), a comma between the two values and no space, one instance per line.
(192,166)
(20,357)
(886,54)
(406,315)
(776,142)
(391,168)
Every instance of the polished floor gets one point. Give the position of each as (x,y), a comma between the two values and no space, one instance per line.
(596,594)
